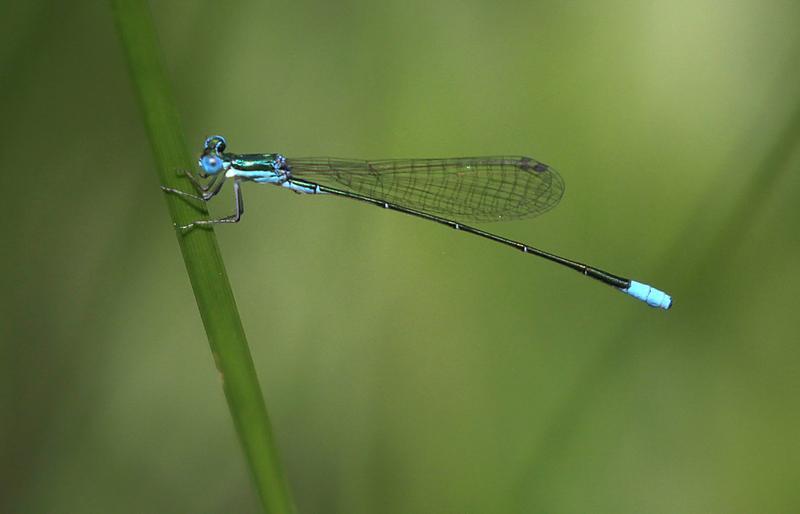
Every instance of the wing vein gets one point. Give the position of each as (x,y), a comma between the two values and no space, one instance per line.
(469,188)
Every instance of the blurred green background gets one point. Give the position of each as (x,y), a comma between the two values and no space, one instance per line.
(409,368)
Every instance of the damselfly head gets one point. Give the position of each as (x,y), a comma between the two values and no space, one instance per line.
(210,164)
(215,143)
(211,161)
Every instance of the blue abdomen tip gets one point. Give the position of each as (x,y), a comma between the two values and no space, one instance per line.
(650,295)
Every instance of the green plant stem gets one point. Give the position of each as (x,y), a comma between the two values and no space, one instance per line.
(202,256)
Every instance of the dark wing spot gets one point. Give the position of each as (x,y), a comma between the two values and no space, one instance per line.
(528,164)
(525,164)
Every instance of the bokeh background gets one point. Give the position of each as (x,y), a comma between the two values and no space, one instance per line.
(409,368)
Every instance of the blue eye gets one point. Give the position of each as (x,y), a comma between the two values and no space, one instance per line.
(216,143)
(211,164)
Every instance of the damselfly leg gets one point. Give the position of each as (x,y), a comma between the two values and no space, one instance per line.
(207,192)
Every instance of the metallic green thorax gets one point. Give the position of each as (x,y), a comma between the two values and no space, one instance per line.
(253,161)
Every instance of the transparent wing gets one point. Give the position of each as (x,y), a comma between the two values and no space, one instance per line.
(467,188)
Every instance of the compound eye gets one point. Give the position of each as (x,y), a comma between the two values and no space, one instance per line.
(211,164)
(216,143)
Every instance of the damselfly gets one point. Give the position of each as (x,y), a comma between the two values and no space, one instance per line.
(468,188)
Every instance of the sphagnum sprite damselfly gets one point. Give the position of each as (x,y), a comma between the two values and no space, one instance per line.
(467,188)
